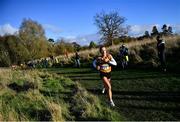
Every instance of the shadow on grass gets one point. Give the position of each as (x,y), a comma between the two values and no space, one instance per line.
(40,115)
(96,77)
(79,72)
(20,88)
(157,108)
(164,96)
(85,78)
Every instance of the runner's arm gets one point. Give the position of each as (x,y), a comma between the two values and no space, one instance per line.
(113,62)
(94,63)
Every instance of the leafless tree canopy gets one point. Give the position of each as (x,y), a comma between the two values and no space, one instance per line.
(110,25)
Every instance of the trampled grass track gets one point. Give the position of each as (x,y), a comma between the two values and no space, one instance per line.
(138,94)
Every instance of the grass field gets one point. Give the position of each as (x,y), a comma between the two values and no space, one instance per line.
(60,94)
(138,94)
(36,95)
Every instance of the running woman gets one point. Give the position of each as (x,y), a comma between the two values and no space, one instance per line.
(103,65)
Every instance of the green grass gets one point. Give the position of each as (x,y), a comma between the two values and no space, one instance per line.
(32,95)
(138,94)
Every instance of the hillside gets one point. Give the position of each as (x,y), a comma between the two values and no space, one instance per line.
(141,54)
(68,93)
(31,95)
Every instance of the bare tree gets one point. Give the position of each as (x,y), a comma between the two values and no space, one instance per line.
(110,25)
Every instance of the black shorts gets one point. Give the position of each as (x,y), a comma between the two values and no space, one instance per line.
(108,75)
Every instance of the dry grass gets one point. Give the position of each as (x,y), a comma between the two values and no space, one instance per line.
(22,105)
(46,101)
(87,55)
(55,110)
(90,107)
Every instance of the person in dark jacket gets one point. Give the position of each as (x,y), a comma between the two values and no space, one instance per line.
(77,60)
(161,52)
(123,54)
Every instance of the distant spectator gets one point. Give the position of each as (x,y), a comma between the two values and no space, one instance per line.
(123,54)
(161,52)
(77,60)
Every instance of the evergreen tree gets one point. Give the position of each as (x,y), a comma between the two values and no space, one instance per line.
(164,29)
(154,31)
(146,34)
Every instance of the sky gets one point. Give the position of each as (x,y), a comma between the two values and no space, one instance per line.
(74,19)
